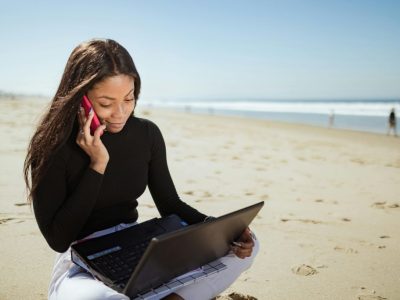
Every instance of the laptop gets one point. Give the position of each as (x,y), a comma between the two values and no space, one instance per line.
(162,254)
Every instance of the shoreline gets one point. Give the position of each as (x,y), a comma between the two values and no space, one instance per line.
(363,115)
(261,121)
(367,124)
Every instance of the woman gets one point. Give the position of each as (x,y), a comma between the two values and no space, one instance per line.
(84,185)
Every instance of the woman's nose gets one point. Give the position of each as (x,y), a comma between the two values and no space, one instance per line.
(119,111)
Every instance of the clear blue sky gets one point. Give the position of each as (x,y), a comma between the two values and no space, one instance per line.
(213,49)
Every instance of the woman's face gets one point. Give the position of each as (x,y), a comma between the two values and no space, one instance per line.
(113,101)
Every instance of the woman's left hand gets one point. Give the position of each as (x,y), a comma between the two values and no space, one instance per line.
(243,247)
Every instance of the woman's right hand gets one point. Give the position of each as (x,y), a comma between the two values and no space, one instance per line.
(92,144)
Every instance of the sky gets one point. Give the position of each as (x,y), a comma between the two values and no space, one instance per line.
(213,49)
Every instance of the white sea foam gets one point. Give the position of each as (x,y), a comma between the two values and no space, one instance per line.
(351,108)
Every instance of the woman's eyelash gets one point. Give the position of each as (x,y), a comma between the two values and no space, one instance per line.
(107,105)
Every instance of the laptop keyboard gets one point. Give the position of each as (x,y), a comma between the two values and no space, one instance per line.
(119,265)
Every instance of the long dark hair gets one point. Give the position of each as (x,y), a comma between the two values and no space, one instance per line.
(89,63)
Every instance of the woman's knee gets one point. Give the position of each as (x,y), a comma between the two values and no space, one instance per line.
(84,286)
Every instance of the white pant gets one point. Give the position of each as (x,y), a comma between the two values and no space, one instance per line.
(71,282)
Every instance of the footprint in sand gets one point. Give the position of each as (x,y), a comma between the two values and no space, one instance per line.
(384,237)
(304,270)
(191,193)
(322,267)
(365,294)
(345,250)
(325,201)
(370,297)
(380,205)
(307,221)
(5,220)
(21,204)
(383,205)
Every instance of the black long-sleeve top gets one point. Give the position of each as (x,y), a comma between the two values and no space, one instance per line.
(73,201)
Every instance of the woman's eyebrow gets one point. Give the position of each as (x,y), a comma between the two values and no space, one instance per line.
(111,98)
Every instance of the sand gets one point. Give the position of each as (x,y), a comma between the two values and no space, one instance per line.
(329,228)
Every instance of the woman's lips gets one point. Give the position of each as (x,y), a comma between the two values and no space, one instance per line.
(115,125)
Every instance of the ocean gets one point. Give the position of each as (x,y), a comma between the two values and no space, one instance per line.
(360,115)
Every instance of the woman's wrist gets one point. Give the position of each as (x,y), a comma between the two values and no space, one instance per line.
(99,167)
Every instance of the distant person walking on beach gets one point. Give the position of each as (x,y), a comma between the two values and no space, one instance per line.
(331,118)
(85,182)
(392,122)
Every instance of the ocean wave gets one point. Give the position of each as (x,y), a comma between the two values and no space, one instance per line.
(354,108)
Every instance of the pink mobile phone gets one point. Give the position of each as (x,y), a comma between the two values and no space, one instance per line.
(95,121)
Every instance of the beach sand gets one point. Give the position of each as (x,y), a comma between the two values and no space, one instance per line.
(329,228)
